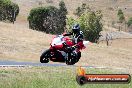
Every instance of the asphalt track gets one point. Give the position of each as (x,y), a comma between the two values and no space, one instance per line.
(7,63)
(15,63)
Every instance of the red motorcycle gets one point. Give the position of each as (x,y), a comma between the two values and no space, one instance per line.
(58,52)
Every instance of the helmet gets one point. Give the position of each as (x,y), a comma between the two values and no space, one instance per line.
(76,28)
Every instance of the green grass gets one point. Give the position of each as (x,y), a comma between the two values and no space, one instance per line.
(49,77)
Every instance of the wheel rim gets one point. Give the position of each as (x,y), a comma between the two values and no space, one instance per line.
(46,57)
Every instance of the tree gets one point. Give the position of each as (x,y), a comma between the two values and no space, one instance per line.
(63,8)
(119,12)
(121,19)
(90,25)
(120,15)
(63,12)
(89,21)
(49,1)
(129,23)
(47,19)
(8,11)
(80,10)
(70,22)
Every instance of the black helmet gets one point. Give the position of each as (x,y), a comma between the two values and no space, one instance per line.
(76,28)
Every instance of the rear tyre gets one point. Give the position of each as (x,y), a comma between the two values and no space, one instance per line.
(44,58)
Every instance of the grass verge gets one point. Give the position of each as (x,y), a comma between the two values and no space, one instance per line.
(49,77)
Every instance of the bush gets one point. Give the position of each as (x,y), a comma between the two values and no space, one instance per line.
(90,22)
(63,8)
(49,1)
(70,22)
(82,9)
(8,10)
(91,26)
(120,15)
(48,19)
(62,12)
(129,23)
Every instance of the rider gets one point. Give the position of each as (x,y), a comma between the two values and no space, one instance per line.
(77,36)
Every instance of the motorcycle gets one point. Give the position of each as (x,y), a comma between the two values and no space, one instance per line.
(60,53)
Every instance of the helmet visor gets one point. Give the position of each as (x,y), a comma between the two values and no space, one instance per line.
(75,30)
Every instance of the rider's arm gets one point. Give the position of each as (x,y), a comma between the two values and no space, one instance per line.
(80,38)
(80,44)
(68,34)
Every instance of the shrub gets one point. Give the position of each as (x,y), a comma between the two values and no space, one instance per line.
(8,10)
(120,15)
(46,19)
(129,23)
(90,25)
(90,22)
(62,13)
(82,9)
(70,22)
(63,8)
(49,1)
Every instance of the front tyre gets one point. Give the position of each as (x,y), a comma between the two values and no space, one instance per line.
(44,58)
(71,60)
(78,56)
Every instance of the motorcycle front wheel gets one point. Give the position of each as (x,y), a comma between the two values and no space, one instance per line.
(71,60)
(44,58)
